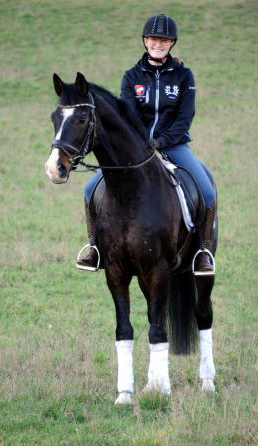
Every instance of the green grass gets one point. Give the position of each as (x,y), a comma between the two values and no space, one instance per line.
(57,354)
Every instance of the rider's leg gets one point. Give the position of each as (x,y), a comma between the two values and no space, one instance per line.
(182,156)
(90,261)
(203,260)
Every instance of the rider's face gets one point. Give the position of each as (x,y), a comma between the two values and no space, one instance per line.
(157,47)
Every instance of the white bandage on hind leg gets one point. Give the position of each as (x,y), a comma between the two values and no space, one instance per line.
(125,379)
(158,377)
(207,369)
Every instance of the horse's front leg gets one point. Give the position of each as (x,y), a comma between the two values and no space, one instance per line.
(204,316)
(154,288)
(118,284)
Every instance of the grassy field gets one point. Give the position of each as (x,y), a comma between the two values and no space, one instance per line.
(57,354)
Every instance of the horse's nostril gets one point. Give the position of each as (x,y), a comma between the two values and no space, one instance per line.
(62,171)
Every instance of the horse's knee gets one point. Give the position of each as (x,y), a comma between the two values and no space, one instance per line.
(124,333)
(157,334)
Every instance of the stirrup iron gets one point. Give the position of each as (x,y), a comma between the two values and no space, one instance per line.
(89,268)
(204,273)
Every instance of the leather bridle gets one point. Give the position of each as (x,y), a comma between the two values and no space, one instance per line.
(76,156)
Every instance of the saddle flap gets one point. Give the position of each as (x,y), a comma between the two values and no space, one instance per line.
(193,195)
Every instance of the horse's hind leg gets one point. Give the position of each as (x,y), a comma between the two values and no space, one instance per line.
(155,291)
(119,287)
(204,316)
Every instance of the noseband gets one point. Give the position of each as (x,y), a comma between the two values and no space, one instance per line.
(74,154)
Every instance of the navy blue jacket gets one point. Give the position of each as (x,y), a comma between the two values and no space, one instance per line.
(163,98)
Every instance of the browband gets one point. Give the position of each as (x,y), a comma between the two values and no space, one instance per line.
(86,104)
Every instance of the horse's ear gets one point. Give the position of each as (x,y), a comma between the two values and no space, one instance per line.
(81,83)
(58,84)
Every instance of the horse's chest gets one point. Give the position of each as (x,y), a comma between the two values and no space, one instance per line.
(132,229)
(132,236)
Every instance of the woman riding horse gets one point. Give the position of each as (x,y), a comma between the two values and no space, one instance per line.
(160,92)
(140,224)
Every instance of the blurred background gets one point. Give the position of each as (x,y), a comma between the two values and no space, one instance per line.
(57,357)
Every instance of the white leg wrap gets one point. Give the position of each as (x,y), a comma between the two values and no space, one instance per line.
(158,377)
(125,380)
(207,369)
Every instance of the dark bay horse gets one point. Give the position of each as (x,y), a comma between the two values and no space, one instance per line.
(140,230)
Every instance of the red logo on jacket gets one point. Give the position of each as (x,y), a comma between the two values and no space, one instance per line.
(140,90)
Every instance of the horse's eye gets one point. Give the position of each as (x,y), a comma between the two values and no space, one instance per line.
(83,118)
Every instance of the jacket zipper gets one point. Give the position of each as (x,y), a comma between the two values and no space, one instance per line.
(147,95)
(157,75)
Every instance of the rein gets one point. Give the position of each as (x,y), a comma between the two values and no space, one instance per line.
(129,166)
(80,154)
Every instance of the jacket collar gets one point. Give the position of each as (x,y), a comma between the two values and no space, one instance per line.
(169,65)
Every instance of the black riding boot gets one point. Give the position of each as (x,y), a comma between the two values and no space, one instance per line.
(91,261)
(204,263)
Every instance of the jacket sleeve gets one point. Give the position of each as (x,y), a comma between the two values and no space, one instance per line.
(128,95)
(127,92)
(185,114)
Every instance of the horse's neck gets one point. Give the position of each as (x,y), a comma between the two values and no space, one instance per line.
(119,144)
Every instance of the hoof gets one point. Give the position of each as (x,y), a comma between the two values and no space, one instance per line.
(166,391)
(208,386)
(124,398)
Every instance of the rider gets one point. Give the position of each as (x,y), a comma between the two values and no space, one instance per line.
(161,92)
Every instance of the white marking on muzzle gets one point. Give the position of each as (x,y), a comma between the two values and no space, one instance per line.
(51,165)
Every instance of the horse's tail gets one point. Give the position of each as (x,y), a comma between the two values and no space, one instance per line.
(181,319)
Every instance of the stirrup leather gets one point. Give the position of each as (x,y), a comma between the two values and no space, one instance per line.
(80,256)
(204,273)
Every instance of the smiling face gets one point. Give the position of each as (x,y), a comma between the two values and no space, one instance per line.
(157,47)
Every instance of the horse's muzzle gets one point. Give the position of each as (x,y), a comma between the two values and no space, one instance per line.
(56,170)
(55,177)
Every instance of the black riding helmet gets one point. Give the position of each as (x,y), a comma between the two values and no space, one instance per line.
(160,25)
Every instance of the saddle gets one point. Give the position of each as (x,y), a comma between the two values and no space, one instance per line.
(189,193)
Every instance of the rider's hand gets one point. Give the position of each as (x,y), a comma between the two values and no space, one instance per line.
(154,144)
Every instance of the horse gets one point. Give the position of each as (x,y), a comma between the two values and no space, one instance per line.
(141,232)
